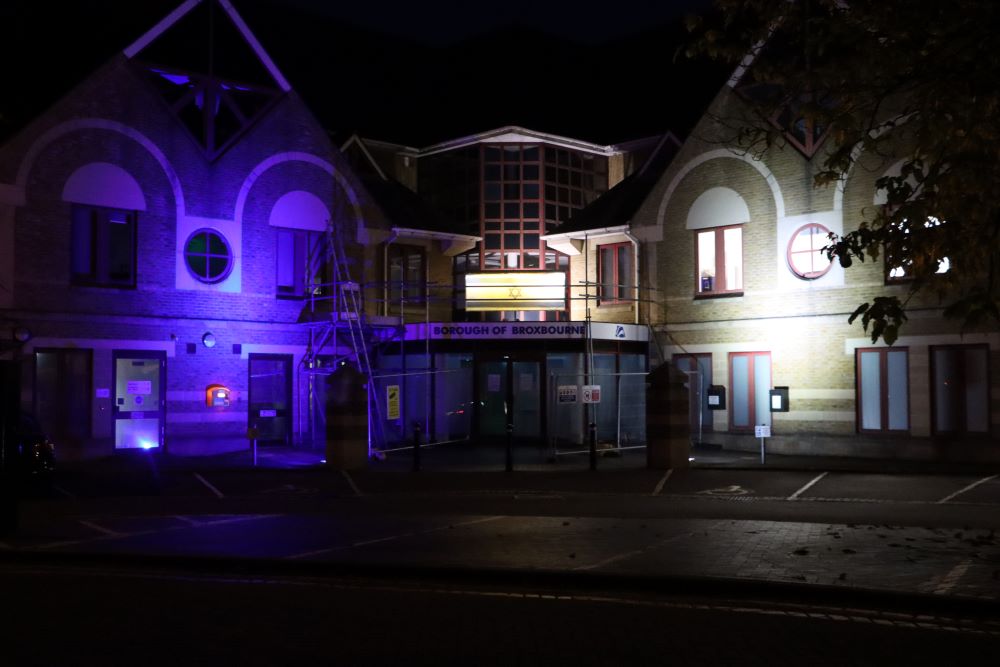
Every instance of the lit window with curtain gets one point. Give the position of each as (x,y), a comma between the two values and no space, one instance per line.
(719,261)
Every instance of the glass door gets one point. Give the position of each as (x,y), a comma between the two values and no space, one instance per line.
(270,400)
(493,399)
(140,380)
(526,399)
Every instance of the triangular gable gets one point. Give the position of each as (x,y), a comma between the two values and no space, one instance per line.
(210,70)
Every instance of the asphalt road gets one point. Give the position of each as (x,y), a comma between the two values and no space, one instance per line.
(127,615)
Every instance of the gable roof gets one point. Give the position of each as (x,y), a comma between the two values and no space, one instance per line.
(157,32)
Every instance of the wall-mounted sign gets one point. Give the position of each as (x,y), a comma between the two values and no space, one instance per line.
(521,290)
(493,382)
(779,399)
(591,393)
(392,401)
(102,392)
(139,387)
(268,413)
(567,393)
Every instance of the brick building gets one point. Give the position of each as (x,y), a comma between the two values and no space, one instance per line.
(185,254)
(748,303)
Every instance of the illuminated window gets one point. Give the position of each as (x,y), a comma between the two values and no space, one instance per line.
(615,272)
(719,261)
(900,270)
(207,256)
(103,246)
(805,253)
(883,399)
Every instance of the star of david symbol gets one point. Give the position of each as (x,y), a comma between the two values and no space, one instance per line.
(515,292)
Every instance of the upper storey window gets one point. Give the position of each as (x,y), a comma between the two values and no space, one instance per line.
(719,261)
(104,246)
(805,255)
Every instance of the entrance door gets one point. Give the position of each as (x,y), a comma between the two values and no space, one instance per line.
(140,390)
(510,389)
(270,397)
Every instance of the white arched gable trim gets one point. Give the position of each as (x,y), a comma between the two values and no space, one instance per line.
(61,130)
(299,209)
(294,156)
(104,184)
(718,207)
(719,154)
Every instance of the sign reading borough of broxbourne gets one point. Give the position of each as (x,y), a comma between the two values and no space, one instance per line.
(526,331)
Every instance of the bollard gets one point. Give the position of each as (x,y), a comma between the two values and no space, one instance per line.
(509,467)
(416,446)
(593,445)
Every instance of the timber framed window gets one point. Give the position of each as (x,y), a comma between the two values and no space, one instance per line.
(104,246)
(719,261)
(615,273)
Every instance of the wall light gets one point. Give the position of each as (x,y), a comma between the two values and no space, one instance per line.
(22,334)
(208,340)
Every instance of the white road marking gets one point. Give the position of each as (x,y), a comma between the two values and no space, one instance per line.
(350,481)
(389,538)
(204,481)
(64,492)
(662,482)
(112,535)
(967,488)
(807,486)
(950,580)
(101,529)
(185,519)
(636,552)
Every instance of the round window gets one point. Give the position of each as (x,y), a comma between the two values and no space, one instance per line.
(806,258)
(208,256)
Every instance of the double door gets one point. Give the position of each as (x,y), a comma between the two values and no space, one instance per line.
(510,392)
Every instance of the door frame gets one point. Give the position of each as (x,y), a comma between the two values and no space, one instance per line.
(289,369)
(511,356)
(159,355)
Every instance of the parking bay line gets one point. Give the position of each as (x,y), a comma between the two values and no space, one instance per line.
(662,482)
(967,488)
(211,488)
(807,486)
(389,538)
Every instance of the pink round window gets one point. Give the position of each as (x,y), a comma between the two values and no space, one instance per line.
(806,258)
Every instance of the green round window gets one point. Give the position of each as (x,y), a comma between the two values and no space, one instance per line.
(208,256)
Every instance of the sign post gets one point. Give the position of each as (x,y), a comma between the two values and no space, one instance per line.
(762,431)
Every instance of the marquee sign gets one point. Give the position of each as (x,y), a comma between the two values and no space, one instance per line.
(526,331)
(522,290)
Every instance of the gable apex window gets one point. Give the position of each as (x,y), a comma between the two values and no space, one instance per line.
(104,246)
(719,261)
(805,255)
(208,256)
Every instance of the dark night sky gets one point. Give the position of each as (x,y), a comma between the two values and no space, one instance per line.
(413,72)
